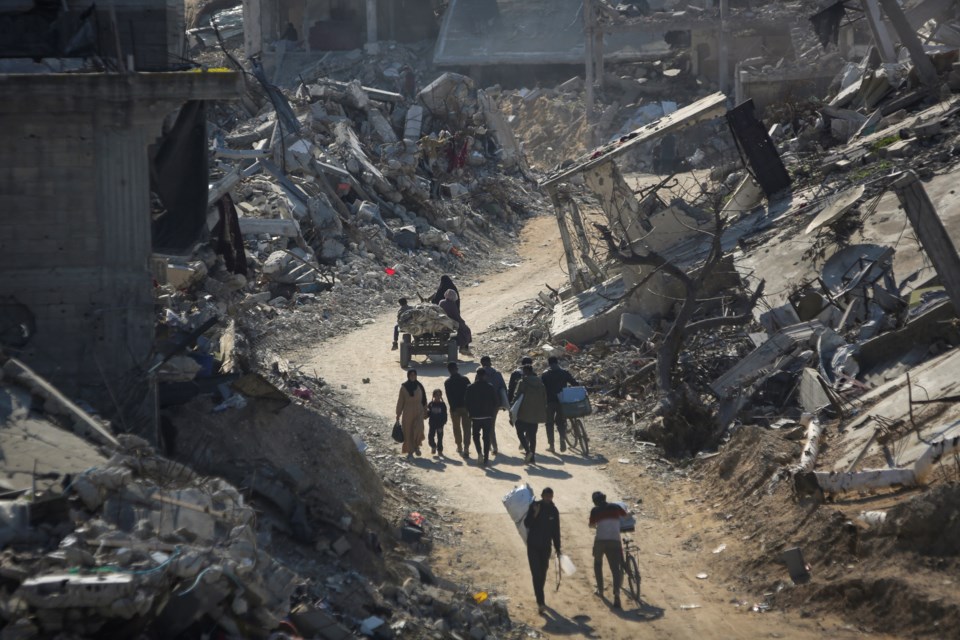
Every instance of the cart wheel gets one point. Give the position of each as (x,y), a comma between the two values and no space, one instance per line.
(452,350)
(405,353)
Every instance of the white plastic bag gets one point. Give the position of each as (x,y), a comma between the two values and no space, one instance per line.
(566,565)
(517,502)
(515,409)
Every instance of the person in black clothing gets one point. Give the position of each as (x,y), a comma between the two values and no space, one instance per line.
(445,284)
(555,379)
(515,378)
(543,529)
(456,386)
(481,402)
(437,417)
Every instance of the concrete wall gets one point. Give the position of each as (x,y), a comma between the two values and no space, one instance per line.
(75,219)
(152,31)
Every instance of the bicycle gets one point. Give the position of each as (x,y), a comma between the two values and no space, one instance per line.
(576,436)
(631,570)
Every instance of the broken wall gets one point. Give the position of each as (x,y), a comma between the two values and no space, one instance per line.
(75,234)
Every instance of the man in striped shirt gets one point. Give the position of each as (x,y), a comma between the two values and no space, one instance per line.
(605,518)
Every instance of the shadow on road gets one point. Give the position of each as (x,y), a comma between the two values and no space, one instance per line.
(646,612)
(555,623)
(493,472)
(425,463)
(547,473)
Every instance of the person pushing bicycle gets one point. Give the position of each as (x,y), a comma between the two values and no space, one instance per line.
(605,518)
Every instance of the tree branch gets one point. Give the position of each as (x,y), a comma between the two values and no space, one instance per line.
(726,321)
(651,259)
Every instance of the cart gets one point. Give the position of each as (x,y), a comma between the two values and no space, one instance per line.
(442,343)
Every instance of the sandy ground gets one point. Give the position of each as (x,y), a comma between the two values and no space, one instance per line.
(492,555)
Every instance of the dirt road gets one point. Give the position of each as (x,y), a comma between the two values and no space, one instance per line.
(492,554)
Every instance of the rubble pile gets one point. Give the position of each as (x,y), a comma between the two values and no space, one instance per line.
(332,202)
(156,545)
(120,540)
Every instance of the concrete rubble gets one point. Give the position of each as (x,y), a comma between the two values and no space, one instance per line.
(825,156)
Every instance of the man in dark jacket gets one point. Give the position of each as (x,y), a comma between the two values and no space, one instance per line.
(482,403)
(495,378)
(543,529)
(512,397)
(456,386)
(555,379)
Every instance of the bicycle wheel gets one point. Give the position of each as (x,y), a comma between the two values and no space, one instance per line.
(584,440)
(633,579)
(572,435)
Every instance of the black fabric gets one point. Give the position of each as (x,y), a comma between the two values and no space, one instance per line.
(758,150)
(826,23)
(543,525)
(482,429)
(411,386)
(229,242)
(515,378)
(527,432)
(555,417)
(178,175)
(481,400)
(539,560)
(456,388)
(555,379)
(445,284)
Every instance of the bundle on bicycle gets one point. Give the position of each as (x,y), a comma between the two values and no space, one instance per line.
(575,405)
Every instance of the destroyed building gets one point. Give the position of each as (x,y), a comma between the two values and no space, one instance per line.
(263,502)
(76,185)
(297,29)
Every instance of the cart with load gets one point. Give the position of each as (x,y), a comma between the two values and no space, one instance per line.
(427,330)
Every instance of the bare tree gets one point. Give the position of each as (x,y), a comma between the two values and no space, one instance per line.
(683,326)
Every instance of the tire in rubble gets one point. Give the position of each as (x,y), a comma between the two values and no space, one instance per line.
(405,351)
(452,350)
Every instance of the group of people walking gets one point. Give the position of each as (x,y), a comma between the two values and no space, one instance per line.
(472,409)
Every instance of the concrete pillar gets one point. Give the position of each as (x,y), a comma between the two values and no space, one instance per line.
(372,21)
(930,231)
(588,23)
(880,35)
(568,249)
(723,49)
(908,37)
(74,154)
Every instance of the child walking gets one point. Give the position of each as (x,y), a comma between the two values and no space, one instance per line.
(437,416)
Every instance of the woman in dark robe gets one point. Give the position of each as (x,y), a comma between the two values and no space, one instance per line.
(450,305)
(446,284)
